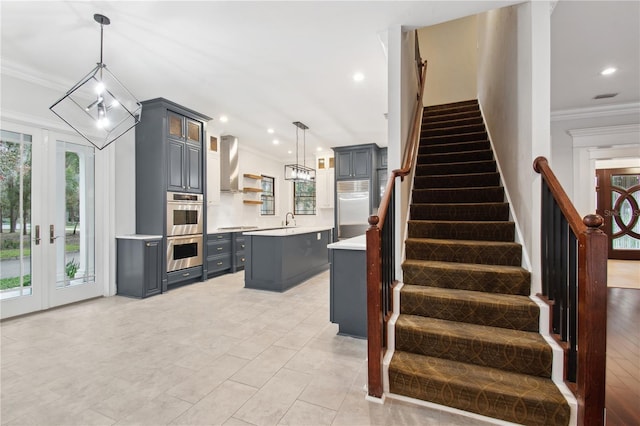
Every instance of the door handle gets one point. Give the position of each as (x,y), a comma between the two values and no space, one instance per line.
(37,239)
(52,237)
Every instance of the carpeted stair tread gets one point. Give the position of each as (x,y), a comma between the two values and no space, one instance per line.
(453,138)
(493,194)
(454,147)
(442,124)
(450,110)
(511,350)
(473,307)
(465,251)
(474,277)
(449,105)
(467,167)
(462,230)
(453,130)
(455,157)
(467,180)
(460,211)
(431,117)
(513,397)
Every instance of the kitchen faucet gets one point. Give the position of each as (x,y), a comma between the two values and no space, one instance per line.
(286,218)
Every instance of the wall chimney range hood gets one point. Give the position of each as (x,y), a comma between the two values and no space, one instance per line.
(229,168)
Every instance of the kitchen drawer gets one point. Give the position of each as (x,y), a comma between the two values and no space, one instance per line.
(218,263)
(240,244)
(184,275)
(215,248)
(218,237)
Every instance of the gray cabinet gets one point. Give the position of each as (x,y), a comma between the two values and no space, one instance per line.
(185,154)
(348,292)
(354,163)
(139,266)
(239,258)
(218,253)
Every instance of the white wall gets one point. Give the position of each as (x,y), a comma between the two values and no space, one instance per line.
(231,211)
(451,51)
(513,89)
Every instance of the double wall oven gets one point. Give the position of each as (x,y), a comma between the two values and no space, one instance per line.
(184,230)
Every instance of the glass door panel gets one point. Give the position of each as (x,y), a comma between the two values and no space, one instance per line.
(15,214)
(74,229)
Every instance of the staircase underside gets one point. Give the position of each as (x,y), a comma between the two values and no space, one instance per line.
(467,334)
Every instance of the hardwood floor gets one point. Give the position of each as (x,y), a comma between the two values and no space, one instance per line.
(623,357)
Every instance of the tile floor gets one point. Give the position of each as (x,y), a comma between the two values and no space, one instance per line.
(203,354)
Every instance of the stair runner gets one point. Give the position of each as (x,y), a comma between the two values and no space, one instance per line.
(467,335)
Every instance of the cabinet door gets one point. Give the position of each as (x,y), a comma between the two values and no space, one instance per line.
(176,156)
(175,123)
(361,163)
(194,132)
(152,267)
(343,165)
(194,168)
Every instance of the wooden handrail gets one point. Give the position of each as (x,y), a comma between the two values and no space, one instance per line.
(541,165)
(376,317)
(574,281)
(413,142)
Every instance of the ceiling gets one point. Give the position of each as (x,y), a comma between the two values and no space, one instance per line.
(267,64)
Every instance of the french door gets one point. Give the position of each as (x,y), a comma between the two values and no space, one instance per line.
(47,213)
(618,192)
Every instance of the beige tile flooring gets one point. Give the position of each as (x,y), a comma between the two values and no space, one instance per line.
(202,354)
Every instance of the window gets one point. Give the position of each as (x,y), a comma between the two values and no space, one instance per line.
(304,198)
(268,196)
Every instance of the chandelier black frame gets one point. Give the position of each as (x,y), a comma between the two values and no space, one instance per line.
(300,172)
(99,107)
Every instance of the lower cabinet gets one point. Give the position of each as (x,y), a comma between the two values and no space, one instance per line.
(139,265)
(184,275)
(238,252)
(218,253)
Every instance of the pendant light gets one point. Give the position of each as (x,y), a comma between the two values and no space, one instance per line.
(300,172)
(99,107)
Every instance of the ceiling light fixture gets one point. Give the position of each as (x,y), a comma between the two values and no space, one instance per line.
(300,172)
(276,141)
(358,76)
(608,71)
(270,130)
(224,118)
(99,107)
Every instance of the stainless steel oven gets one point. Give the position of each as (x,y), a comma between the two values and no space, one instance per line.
(184,213)
(184,252)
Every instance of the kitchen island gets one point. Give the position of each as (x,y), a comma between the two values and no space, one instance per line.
(279,259)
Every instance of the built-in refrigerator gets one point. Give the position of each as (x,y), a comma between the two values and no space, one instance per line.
(353,207)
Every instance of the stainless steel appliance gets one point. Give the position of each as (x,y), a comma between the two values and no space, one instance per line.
(353,208)
(184,252)
(184,213)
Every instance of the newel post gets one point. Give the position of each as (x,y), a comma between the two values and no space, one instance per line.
(374,308)
(592,326)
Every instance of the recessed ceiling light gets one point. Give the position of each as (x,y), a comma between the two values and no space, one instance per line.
(289,152)
(276,141)
(358,76)
(608,71)
(318,149)
(270,130)
(224,118)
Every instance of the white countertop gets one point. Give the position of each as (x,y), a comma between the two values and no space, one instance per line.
(139,237)
(355,243)
(284,232)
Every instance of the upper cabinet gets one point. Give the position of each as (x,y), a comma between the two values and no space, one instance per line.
(184,138)
(325,182)
(355,162)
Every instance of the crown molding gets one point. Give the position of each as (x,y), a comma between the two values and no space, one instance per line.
(608,130)
(30,75)
(597,111)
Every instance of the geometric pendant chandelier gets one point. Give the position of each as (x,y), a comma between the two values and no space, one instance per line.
(300,172)
(99,107)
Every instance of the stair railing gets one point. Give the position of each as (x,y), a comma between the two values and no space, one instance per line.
(574,285)
(380,251)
